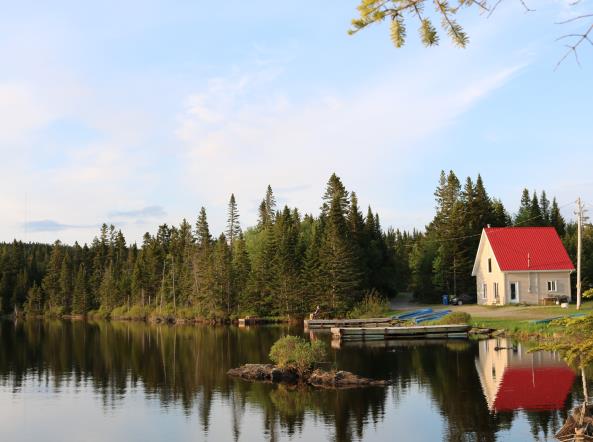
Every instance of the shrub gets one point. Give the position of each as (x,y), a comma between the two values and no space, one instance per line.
(295,352)
(373,305)
(55,312)
(588,294)
(454,318)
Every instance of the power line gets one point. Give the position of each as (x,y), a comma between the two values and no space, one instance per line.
(480,234)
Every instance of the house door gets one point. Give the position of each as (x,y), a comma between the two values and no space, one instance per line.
(514,294)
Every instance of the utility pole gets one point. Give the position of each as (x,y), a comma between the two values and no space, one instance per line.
(580,218)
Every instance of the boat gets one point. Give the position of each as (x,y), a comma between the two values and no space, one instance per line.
(432,316)
(410,315)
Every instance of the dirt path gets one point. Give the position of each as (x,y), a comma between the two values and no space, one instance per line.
(403,301)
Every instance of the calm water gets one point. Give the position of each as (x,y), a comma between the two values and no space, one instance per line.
(62,381)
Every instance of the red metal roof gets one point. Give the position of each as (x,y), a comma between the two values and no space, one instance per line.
(541,388)
(528,248)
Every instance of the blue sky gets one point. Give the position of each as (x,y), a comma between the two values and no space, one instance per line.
(140,113)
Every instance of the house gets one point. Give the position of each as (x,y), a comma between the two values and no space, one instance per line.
(527,265)
(513,378)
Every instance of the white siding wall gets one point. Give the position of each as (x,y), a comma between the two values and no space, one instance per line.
(489,278)
(539,285)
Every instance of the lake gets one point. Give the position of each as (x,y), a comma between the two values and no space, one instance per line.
(118,381)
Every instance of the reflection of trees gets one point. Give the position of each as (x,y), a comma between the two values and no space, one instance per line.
(450,376)
(187,366)
(177,365)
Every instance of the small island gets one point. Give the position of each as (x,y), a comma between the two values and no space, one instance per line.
(295,360)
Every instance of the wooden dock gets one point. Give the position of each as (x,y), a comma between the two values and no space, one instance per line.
(396,343)
(415,332)
(259,321)
(346,323)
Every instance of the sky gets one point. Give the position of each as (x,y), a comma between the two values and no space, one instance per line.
(139,113)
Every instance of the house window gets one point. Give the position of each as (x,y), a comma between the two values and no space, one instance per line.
(484,291)
(496,290)
(552,286)
(489,265)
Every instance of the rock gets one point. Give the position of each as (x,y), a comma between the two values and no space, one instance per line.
(480,331)
(342,379)
(317,378)
(255,372)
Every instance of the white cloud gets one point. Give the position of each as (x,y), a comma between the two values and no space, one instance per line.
(239,135)
(20,113)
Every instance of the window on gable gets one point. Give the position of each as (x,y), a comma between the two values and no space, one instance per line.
(552,286)
(489,265)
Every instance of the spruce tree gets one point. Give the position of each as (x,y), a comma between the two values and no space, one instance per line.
(545,208)
(448,231)
(51,280)
(337,258)
(500,216)
(108,290)
(66,283)
(286,263)
(223,301)
(233,229)
(79,295)
(241,266)
(34,305)
(556,218)
(524,214)
(202,265)
(270,205)
(335,190)
(535,212)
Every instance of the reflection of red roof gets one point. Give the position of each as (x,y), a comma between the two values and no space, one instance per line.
(528,248)
(527,388)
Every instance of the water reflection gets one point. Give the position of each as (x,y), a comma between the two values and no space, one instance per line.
(513,378)
(176,378)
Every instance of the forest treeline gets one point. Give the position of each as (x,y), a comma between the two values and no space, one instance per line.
(285,265)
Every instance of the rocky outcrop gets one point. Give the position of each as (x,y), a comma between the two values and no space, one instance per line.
(342,379)
(316,378)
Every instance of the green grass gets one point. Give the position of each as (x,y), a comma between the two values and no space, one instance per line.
(518,327)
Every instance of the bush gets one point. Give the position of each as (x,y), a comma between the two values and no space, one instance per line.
(55,312)
(373,305)
(99,314)
(588,294)
(295,352)
(454,318)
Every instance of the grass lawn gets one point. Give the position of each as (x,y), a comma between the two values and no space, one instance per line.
(512,318)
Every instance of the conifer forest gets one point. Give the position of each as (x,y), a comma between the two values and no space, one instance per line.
(285,265)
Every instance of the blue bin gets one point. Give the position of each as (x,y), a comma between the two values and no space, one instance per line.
(445,299)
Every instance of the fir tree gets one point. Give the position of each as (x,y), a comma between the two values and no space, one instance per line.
(66,282)
(233,229)
(34,304)
(108,290)
(535,212)
(241,268)
(335,190)
(524,213)
(556,219)
(500,216)
(545,208)
(79,295)
(337,258)
(51,281)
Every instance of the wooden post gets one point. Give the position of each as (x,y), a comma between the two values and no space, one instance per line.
(579,213)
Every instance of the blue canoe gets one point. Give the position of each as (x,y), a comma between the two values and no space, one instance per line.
(413,314)
(553,318)
(432,316)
